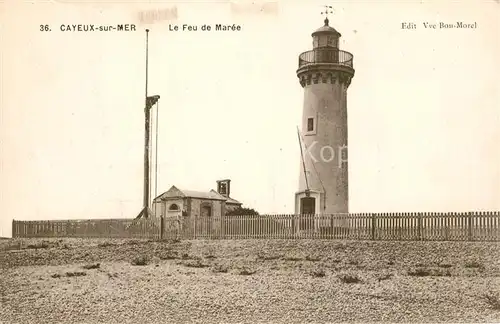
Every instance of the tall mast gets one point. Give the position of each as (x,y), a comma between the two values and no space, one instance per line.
(145,203)
(149,101)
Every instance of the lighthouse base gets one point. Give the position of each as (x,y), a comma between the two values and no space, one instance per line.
(310,208)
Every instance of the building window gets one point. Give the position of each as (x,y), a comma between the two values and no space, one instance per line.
(173,207)
(310,124)
(223,188)
(206,209)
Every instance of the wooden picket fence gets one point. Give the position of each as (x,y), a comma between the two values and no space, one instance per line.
(97,228)
(472,226)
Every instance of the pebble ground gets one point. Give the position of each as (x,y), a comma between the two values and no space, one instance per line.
(247,281)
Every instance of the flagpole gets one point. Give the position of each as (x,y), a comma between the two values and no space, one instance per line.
(146,139)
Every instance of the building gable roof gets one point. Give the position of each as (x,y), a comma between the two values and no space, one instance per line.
(175,192)
(230,200)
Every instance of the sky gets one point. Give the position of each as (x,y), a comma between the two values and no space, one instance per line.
(423,106)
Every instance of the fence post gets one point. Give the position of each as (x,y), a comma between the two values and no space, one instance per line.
(162,226)
(221,226)
(194,226)
(419,226)
(13,228)
(374,224)
(469,226)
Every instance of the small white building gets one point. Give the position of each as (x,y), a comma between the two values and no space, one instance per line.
(179,202)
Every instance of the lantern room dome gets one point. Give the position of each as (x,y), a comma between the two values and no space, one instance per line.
(326,29)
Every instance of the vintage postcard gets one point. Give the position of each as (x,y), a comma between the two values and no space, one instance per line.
(249,161)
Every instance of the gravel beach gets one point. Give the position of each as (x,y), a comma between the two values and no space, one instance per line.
(248,281)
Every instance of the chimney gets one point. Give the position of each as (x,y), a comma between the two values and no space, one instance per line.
(224,187)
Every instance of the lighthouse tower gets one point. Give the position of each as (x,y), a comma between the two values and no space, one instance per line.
(325,73)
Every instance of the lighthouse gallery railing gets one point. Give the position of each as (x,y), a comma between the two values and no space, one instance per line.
(326,55)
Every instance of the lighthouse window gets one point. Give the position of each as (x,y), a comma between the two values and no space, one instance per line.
(310,124)
(331,41)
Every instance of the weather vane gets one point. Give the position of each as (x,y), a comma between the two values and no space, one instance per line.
(328,10)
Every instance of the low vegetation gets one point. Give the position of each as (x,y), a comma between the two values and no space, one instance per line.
(349,278)
(246,271)
(112,275)
(420,272)
(242,211)
(385,277)
(318,273)
(219,268)
(292,258)
(474,265)
(105,244)
(493,300)
(92,266)
(170,255)
(313,258)
(76,274)
(140,261)
(194,264)
(425,272)
(41,245)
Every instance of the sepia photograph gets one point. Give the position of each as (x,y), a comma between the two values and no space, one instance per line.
(249,161)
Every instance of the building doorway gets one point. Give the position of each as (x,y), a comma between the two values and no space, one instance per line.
(204,225)
(308,206)
(307,211)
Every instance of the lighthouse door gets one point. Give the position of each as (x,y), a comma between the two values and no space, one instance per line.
(307,210)
(308,206)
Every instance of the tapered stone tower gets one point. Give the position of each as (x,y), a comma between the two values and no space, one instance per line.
(325,73)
